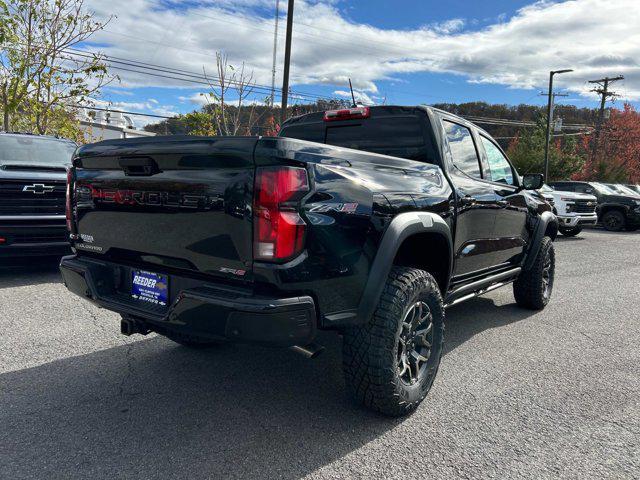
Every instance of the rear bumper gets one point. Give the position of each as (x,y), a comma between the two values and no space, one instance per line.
(197,308)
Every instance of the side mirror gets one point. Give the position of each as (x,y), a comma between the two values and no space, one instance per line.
(532,181)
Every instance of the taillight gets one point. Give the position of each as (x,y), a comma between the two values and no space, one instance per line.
(278,229)
(69,199)
(347,114)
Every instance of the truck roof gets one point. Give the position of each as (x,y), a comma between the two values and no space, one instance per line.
(317,117)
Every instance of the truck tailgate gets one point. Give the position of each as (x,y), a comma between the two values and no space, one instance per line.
(179,202)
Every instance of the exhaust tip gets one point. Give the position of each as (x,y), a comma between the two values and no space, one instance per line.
(308,351)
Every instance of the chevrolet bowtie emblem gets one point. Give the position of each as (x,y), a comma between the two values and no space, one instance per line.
(38,188)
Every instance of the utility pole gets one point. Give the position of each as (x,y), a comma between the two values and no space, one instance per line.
(553,102)
(287,62)
(275,50)
(603,90)
(549,120)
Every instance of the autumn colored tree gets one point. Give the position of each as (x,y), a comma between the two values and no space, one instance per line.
(39,74)
(617,156)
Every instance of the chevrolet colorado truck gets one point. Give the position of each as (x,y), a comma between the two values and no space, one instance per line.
(574,210)
(32,194)
(368,221)
(616,210)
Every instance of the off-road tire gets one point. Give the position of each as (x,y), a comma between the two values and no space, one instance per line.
(530,289)
(371,352)
(570,232)
(614,221)
(190,341)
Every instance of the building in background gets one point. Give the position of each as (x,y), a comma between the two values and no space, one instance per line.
(104,125)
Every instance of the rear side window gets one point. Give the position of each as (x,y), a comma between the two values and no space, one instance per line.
(463,150)
(304,132)
(378,133)
(499,166)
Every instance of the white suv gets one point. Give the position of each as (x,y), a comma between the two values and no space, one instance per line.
(574,210)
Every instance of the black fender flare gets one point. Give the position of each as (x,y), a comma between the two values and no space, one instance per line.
(546,219)
(401,227)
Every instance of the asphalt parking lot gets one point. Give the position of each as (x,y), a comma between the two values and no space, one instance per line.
(520,394)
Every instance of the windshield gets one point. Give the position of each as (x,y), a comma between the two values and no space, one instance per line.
(28,150)
(623,190)
(602,188)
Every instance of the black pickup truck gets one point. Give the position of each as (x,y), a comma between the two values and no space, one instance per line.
(268,240)
(33,179)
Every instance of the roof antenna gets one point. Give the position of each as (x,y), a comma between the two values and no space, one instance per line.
(353,97)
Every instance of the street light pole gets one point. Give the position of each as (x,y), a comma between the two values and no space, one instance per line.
(549,120)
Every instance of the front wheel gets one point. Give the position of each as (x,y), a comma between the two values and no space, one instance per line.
(390,362)
(533,287)
(570,232)
(614,221)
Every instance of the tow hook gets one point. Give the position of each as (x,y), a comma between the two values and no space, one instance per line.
(129,326)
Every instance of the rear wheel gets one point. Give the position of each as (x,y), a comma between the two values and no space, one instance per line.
(390,363)
(533,287)
(614,221)
(570,232)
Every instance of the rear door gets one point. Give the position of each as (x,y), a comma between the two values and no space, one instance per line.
(476,201)
(178,202)
(509,229)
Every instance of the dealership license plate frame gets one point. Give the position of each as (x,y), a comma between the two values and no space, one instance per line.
(150,288)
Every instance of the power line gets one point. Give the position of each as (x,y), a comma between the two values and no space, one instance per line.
(176,71)
(125,112)
(140,114)
(189,76)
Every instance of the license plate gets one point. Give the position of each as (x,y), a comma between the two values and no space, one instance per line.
(150,287)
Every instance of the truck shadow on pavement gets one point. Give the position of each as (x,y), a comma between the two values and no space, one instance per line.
(152,409)
(20,272)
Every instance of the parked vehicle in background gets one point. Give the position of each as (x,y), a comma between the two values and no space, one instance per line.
(548,197)
(635,188)
(616,212)
(32,194)
(623,190)
(270,239)
(574,210)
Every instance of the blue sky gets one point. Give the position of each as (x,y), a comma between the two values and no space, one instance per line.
(404,52)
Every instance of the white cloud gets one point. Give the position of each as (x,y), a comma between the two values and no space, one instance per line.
(196,99)
(594,37)
(361,97)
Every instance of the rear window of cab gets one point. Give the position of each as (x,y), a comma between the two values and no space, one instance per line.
(396,135)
